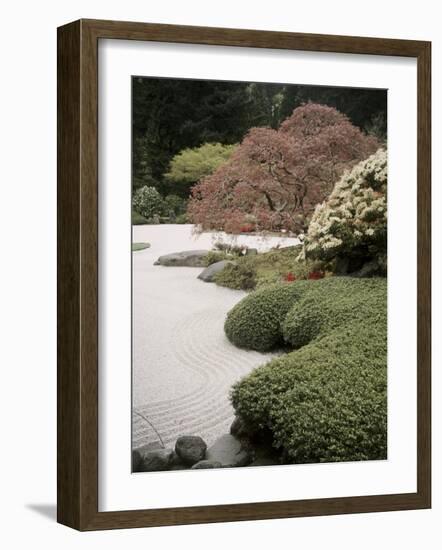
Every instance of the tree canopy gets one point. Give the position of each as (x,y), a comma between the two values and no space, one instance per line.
(275,178)
(170,115)
(190,165)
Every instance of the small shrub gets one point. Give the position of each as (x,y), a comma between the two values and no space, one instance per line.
(236,276)
(255,322)
(173,206)
(138,219)
(266,268)
(181,218)
(236,250)
(214,256)
(148,202)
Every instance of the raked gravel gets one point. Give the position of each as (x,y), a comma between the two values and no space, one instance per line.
(183,365)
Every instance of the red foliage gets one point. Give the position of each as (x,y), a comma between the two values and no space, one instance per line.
(315,275)
(275,178)
(290,277)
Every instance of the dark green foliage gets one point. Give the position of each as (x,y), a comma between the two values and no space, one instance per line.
(138,219)
(255,323)
(366,108)
(174,206)
(326,401)
(170,115)
(236,276)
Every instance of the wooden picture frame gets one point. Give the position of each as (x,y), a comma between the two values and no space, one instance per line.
(78,274)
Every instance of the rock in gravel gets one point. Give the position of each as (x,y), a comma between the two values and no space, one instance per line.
(140,451)
(187,258)
(190,449)
(206,464)
(229,452)
(209,273)
(158,460)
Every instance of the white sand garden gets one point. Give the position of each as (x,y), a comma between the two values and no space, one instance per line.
(183,365)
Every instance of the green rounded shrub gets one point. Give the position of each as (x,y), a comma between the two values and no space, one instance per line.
(330,303)
(323,403)
(147,202)
(327,400)
(255,322)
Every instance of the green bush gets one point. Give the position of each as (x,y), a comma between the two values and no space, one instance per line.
(147,202)
(331,303)
(173,206)
(214,256)
(237,277)
(255,322)
(326,401)
(181,218)
(267,268)
(190,165)
(138,219)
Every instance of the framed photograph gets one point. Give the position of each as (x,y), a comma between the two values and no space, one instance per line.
(243,274)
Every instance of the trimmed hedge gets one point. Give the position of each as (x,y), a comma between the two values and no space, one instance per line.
(326,401)
(331,303)
(255,322)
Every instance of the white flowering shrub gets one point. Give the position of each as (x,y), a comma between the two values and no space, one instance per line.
(147,202)
(352,222)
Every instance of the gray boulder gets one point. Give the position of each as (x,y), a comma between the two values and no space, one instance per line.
(138,453)
(145,460)
(209,273)
(229,452)
(187,258)
(190,449)
(206,464)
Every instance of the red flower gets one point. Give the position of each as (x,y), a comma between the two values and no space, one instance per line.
(246,228)
(315,275)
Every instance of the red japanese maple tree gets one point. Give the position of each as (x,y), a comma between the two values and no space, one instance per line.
(275,178)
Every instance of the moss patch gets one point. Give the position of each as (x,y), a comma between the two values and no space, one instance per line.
(139,246)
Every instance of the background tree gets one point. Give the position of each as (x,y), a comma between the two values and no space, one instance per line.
(275,178)
(170,115)
(190,165)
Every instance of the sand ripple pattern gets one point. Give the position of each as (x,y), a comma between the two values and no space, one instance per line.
(204,353)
